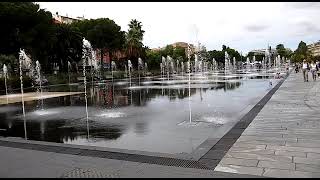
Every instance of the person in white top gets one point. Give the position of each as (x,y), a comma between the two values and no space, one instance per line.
(314,70)
(305,70)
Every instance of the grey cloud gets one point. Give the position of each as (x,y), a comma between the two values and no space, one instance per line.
(256,28)
(303,5)
(308,27)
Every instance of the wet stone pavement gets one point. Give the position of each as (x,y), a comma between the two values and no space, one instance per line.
(283,139)
(27,163)
(278,144)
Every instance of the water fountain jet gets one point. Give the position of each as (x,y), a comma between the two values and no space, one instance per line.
(22,57)
(38,68)
(5,73)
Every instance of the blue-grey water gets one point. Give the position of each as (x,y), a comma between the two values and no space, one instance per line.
(152,116)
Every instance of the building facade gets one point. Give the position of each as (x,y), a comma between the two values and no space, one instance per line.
(262,52)
(314,48)
(178,44)
(65,19)
(106,59)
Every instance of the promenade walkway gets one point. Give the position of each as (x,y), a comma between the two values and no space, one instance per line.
(26,163)
(284,138)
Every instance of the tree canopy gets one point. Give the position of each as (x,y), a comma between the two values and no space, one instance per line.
(103,33)
(219,56)
(25,25)
(300,53)
(134,45)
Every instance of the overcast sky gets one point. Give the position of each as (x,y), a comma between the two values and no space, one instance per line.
(240,25)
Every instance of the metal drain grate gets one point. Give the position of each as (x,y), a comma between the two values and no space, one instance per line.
(87,173)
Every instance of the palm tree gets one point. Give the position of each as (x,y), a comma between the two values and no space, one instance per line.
(134,37)
(68,45)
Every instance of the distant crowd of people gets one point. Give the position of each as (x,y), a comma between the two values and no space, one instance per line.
(307,67)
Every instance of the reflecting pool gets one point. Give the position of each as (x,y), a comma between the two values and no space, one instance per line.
(150,114)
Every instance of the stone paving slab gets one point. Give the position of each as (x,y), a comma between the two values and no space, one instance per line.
(240,169)
(280,173)
(276,165)
(240,162)
(287,125)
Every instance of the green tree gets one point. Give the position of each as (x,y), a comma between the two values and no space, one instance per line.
(153,59)
(302,48)
(168,51)
(301,52)
(219,56)
(233,53)
(67,46)
(10,61)
(134,37)
(179,53)
(104,34)
(281,50)
(25,25)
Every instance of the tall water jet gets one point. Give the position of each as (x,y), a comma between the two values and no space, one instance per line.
(125,71)
(161,66)
(94,62)
(172,68)
(248,65)
(234,63)
(163,62)
(168,62)
(129,70)
(182,68)
(113,67)
(85,57)
(5,73)
(189,69)
(195,62)
(140,67)
(226,62)
(200,66)
(69,68)
(27,64)
(214,64)
(38,68)
(177,67)
(145,67)
(22,58)
(161,76)
(90,58)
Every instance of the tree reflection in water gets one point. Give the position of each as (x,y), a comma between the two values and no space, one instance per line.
(106,96)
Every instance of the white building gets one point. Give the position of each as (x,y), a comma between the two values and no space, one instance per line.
(65,19)
(314,48)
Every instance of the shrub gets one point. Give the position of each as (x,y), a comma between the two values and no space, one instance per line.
(13,83)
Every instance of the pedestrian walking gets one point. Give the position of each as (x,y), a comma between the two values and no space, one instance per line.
(313,66)
(296,67)
(318,66)
(305,70)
